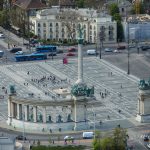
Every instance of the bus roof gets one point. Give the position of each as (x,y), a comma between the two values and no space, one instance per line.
(33,54)
(46,46)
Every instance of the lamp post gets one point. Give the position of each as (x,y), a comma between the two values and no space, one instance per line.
(101,37)
(128,72)
(94,119)
(23,117)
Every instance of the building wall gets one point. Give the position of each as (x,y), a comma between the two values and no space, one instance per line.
(48,27)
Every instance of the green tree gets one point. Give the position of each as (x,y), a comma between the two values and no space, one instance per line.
(97,141)
(80,3)
(107,144)
(120,32)
(119,139)
(113,9)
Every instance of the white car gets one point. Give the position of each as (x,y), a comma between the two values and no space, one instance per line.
(2,35)
(148,145)
(108,50)
(68,138)
(19,53)
(116,51)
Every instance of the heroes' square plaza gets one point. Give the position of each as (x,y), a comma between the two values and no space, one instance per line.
(116,93)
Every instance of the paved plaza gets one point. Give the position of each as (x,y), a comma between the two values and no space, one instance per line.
(116,90)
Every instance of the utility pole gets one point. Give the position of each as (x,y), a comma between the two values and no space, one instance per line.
(101,37)
(128,72)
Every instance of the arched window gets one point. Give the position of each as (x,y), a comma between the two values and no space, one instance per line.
(91,27)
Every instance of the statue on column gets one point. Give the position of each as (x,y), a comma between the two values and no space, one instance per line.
(69,118)
(12,89)
(50,119)
(59,119)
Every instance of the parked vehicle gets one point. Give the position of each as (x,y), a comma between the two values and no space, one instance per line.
(148,145)
(146,137)
(108,50)
(72,49)
(15,49)
(91,52)
(21,137)
(121,47)
(70,54)
(19,53)
(2,35)
(144,48)
(88,135)
(68,138)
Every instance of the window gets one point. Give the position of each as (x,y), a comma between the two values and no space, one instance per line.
(44,24)
(39,25)
(56,24)
(91,27)
(50,24)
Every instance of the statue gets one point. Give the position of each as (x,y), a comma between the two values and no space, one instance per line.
(59,119)
(50,119)
(40,118)
(143,85)
(69,118)
(12,89)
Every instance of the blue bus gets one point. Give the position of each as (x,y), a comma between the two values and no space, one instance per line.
(47,49)
(31,57)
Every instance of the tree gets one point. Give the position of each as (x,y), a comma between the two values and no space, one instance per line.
(113,9)
(119,139)
(97,141)
(70,19)
(107,144)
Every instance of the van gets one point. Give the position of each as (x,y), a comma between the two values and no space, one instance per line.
(91,52)
(88,135)
(15,49)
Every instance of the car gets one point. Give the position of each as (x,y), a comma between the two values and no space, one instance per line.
(148,145)
(2,35)
(60,51)
(144,48)
(68,138)
(116,51)
(70,54)
(91,52)
(108,50)
(121,47)
(21,137)
(15,49)
(72,49)
(19,53)
(146,137)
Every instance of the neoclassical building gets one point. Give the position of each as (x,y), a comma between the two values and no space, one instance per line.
(52,24)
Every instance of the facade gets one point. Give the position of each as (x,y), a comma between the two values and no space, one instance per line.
(48,25)
(139,28)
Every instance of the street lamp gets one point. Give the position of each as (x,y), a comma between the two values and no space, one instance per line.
(101,37)
(128,72)
(94,114)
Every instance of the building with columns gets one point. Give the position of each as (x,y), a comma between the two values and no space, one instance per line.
(48,25)
(144,102)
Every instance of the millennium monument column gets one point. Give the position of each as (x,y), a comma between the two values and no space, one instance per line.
(80,91)
(144,102)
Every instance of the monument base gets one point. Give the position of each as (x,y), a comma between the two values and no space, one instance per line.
(143,118)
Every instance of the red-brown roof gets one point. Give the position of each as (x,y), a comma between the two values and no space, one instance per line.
(30,4)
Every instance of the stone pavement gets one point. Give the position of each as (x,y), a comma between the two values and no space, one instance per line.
(113,87)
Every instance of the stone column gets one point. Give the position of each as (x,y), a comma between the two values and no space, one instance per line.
(80,61)
(44,114)
(19,111)
(26,110)
(34,113)
(9,108)
(12,109)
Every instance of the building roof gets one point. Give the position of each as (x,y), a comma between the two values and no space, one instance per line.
(30,4)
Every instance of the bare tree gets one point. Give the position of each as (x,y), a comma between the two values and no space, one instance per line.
(70,19)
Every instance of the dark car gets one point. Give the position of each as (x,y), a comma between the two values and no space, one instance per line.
(60,51)
(121,47)
(146,137)
(70,54)
(15,49)
(21,137)
(144,48)
(72,49)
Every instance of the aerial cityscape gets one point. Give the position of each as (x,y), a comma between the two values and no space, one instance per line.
(75,75)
